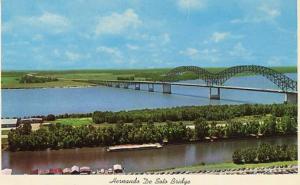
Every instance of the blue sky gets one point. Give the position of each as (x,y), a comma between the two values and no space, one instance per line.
(89,34)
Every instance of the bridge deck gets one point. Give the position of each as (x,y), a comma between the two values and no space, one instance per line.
(203,85)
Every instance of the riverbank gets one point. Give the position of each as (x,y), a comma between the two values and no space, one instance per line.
(170,156)
(226,166)
(223,122)
(66,79)
(52,87)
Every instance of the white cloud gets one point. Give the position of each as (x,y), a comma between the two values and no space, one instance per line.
(165,38)
(263,13)
(190,52)
(132,47)
(52,21)
(112,52)
(7,27)
(109,50)
(240,51)
(38,37)
(275,61)
(56,52)
(219,36)
(132,61)
(190,4)
(73,56)
(211,55)
(48,22)
(117,23)
(269,11)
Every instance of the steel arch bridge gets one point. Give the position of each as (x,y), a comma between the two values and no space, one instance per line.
(282,81)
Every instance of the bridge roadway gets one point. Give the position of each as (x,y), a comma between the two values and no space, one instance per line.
(291,96)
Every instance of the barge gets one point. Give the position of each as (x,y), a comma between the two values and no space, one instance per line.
(134,147)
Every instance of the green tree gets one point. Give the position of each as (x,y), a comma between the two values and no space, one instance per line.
(237,157)
(201,128)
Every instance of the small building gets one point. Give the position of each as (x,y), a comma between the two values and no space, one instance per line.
(31,120)
(117,168)
(9,123)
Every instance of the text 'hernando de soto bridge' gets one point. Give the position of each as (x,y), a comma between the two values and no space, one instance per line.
(215,81)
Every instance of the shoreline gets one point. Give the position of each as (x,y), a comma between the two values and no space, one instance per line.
(54,87)
(94,85)
(164,145)
(224,166)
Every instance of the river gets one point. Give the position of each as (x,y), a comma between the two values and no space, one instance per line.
(30,102)
(138,160)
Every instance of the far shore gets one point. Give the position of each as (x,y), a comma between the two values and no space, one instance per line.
(54,87)
(80,78)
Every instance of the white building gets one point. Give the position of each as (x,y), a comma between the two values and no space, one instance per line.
(9,123)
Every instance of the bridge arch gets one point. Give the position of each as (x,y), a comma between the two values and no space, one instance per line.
(279,79)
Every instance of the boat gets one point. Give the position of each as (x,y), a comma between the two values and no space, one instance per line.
(56,171)
(6,171)
(85,170)
(75,170)
(101,171)
(134,147)
(67,171)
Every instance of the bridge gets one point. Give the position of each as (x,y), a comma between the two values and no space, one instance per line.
(215,81)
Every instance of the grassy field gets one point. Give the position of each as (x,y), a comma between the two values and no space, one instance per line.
(229,165)
(10,79)
(74,121)
(4,132)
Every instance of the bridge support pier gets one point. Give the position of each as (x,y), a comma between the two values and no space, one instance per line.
(125,85)
(291,98)
(151,87)
(117,85)
(214,96)
(137,86)
(167,88)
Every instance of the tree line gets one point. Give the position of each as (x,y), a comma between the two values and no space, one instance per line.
(265,153)
(35,79)
(125,78)
(56,136)
(269,126)
(184,113)
(191,113)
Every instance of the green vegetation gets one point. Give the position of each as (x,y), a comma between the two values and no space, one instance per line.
(191,113)
(282,121)
(11,79)
(265,153)
(4,132)
(58,136)
(220,166)
(36,79)
(75,121)
(125,78)
(4,142)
